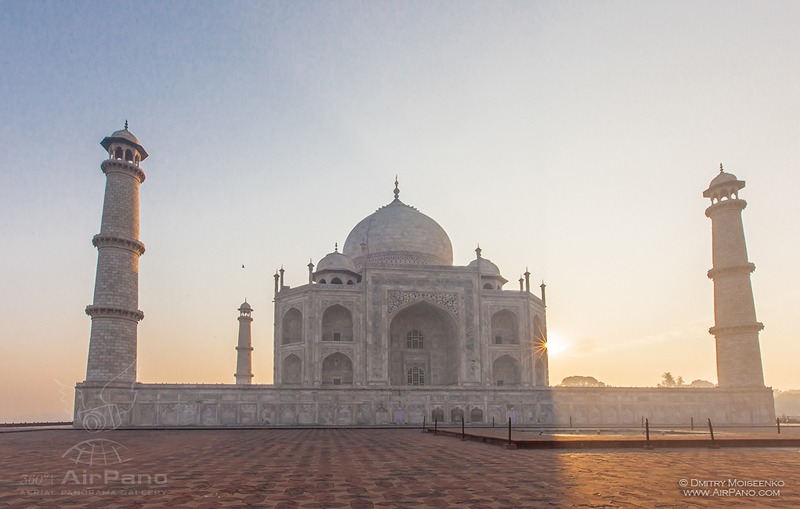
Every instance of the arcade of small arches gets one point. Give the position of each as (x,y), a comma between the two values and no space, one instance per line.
(336,281)
(732,195)
(119,153)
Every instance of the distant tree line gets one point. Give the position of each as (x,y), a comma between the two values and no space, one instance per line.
(581,381)
(667,380)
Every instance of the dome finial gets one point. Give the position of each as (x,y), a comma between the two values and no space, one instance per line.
(478,250)
(126,124)
(396,189)
(335,247)
(720,167)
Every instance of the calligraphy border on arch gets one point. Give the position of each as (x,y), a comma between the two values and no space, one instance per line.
(448,300)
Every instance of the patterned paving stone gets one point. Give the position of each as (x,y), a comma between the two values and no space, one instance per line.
(366,469)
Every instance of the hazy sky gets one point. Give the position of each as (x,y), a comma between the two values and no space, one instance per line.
(574,138)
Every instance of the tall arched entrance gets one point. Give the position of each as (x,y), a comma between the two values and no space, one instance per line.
(422,339)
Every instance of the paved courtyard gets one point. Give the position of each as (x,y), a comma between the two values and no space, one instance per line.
(362,469)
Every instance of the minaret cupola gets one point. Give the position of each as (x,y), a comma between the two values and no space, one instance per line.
(122,145)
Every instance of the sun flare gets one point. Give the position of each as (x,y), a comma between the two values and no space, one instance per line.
(556,344)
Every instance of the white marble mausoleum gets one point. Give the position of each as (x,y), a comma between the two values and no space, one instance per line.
(389,331)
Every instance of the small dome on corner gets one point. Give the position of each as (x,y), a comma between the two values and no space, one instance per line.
(336,261)
(484,266)
(245,306)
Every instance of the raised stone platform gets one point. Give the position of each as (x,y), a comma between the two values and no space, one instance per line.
(165,405)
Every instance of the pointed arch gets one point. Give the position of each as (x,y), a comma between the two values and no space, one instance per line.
(505,328)
(337,369)
(292,370)
(292,327)
(423,335)
(476,415)
(337,324)
(506,371)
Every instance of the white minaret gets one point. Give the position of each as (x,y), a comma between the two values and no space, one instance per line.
(244,349)
(735,326)
(115,308)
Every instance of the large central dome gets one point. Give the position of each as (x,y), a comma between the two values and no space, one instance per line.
(399,234)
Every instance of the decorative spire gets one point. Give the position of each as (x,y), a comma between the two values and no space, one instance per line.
(126,124)
(335,247)
(396,189)
(478,251)
(720,167)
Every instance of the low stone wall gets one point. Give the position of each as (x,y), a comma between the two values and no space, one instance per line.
(165,405)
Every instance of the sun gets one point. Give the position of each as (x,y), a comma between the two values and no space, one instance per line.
(556,344)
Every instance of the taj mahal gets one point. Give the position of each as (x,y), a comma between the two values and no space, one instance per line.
(388,331)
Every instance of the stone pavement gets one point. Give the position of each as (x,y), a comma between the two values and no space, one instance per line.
(377,468)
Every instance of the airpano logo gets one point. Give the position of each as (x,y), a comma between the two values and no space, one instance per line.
(102,469)
(90,480)
(105,453)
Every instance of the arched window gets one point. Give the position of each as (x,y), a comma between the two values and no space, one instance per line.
(488,286)
(336,281)
(414,339)
(337,369)
(504,328)
(506,371)
(129,155)
(322,281)
(292,327)
(349,281)
(415,376)
(118,153)
(292,372)
(476,415)
(337,324)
